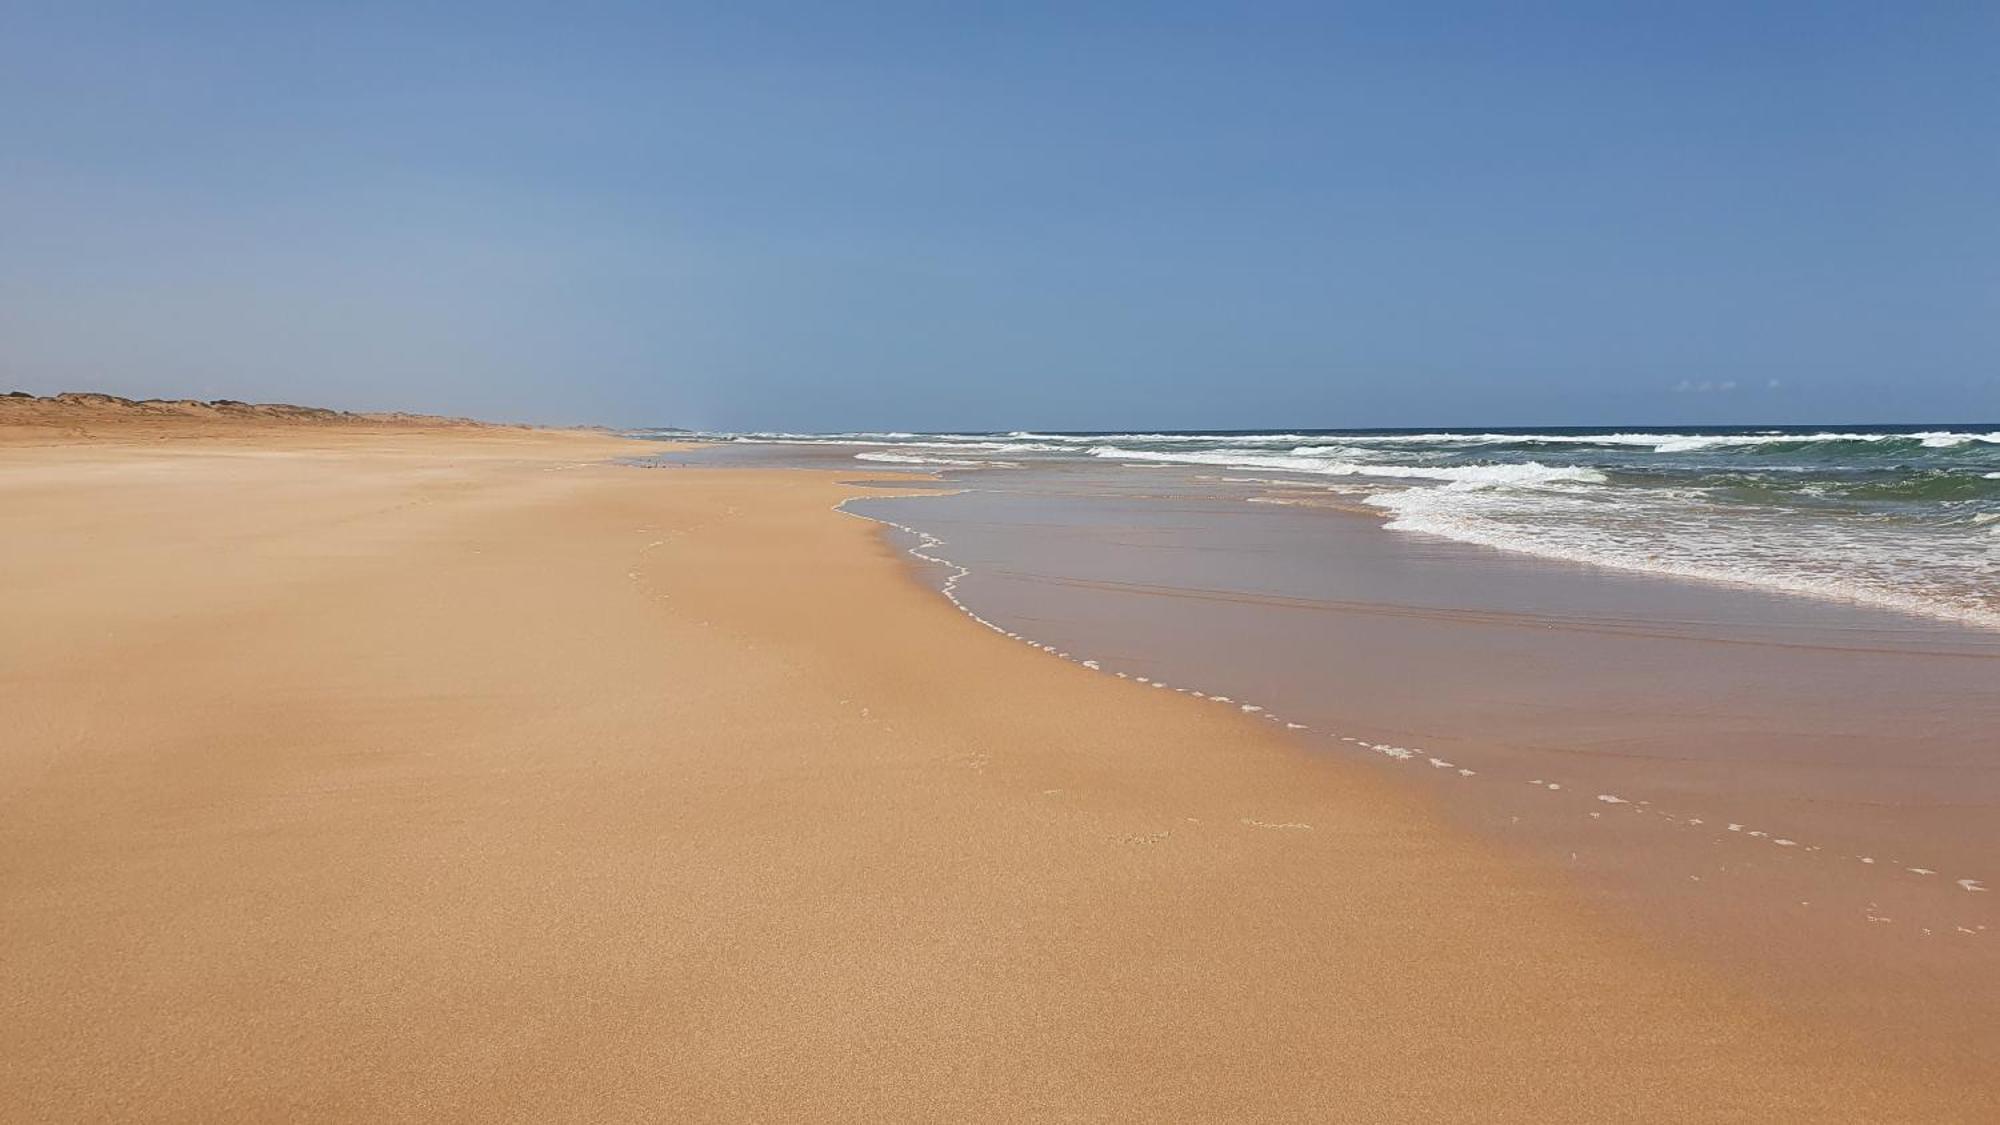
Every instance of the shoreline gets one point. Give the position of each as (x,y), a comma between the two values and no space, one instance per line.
(1801,910)
(928,549)
(1647,503)
(501,782)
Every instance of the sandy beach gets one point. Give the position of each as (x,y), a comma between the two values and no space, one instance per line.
(387,770)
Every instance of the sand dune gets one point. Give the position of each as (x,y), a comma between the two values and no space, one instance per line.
(73,416)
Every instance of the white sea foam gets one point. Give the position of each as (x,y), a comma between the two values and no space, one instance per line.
(1640,441)
(1524,474)
(1682,534)
(1164,439)
(1683,526)
(1662,441)
(922,459)
(972,445)
(1667,441)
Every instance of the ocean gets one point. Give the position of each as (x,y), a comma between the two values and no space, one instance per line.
(1738,684)
(1898,517)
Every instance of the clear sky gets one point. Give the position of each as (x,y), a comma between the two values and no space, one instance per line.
(926,216)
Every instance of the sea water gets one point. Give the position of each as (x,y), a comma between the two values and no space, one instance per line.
(1902,517)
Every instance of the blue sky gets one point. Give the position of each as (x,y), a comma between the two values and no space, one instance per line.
(1022,216)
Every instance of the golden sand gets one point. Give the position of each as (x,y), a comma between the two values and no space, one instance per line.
(460,775)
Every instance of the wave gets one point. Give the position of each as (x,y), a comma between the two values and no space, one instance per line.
(1831,443)
(1788,445)
(1649,438)
(923,459)
(1934,485)
(1900,484)
(1904,518)
(1833,560)
(1527,473)
(1170,439)
(980,445)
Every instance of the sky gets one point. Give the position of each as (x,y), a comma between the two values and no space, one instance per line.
(1023,216)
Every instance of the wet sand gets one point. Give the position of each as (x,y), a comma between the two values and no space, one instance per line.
(420,777)
(1800,793)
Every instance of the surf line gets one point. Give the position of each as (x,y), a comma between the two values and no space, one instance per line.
(928,549)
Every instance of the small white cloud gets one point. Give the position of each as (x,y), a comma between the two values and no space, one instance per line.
(1705,387)
(1771,385)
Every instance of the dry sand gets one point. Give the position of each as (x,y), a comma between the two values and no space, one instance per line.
(459,775)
